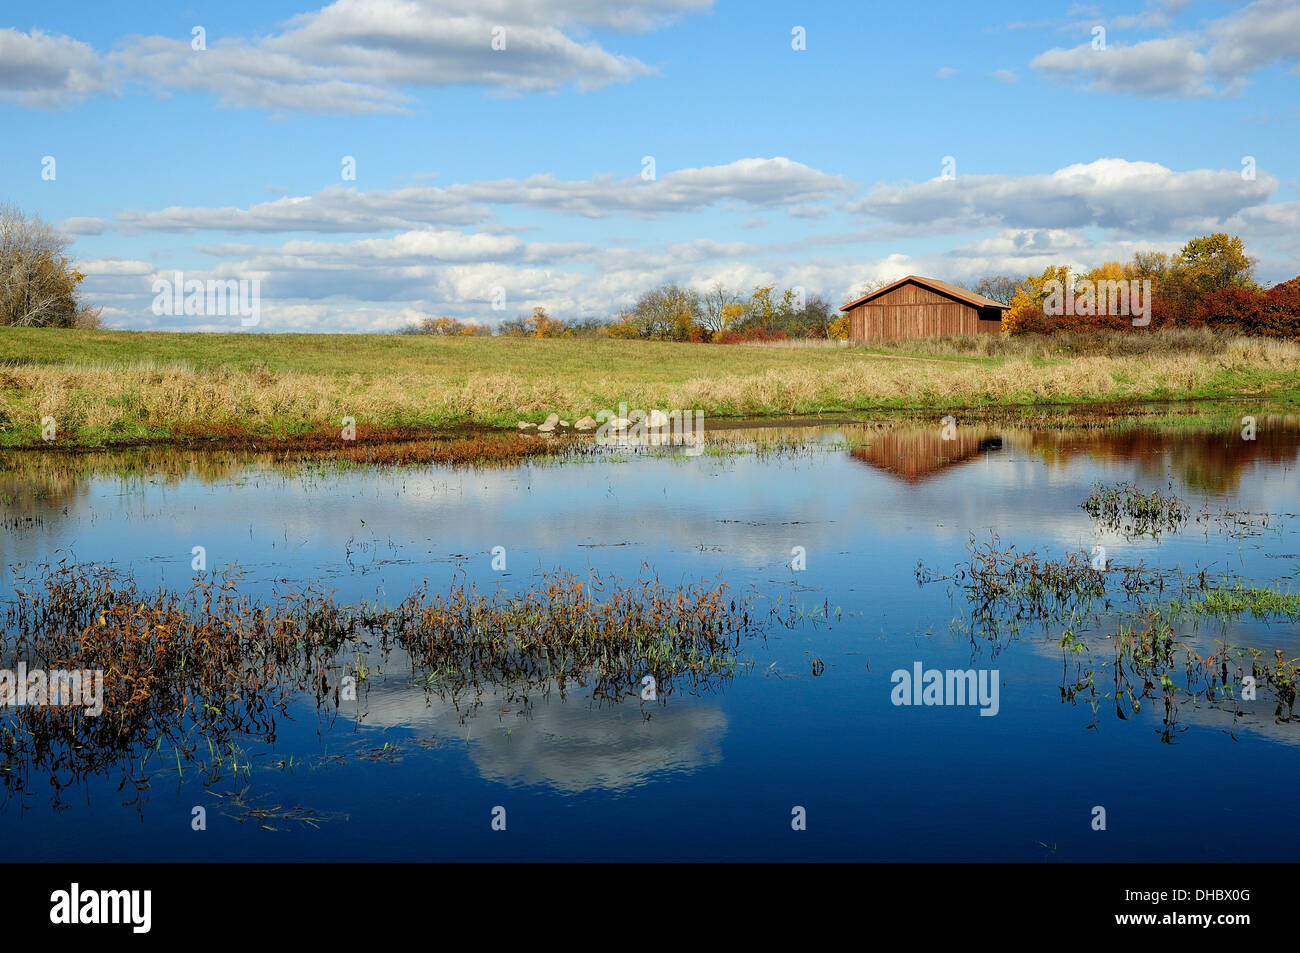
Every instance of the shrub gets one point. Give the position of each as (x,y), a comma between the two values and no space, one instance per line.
(1246,310)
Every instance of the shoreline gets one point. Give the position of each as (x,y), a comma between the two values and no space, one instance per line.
(326,442)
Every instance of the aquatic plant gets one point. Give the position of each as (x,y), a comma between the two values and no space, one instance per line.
(1231,602)
(599,632)
(203,668)
(1002,582)
(1124,507)
(1150,662)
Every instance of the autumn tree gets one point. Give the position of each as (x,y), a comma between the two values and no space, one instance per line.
(445,327)
(38,283)
(1214,262)
(666,312)
(542,325)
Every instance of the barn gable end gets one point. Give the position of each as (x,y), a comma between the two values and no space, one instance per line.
(916,307)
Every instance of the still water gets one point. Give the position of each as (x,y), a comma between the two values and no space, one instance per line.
(806,722)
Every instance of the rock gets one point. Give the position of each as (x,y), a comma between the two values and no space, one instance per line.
(525,425)
(657,420)
(586,423)
(551,421)
(564,423)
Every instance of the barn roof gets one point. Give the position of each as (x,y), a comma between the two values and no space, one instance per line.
(934,284)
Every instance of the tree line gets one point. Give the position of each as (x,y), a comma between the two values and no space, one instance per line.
(672,312)
(1209,282)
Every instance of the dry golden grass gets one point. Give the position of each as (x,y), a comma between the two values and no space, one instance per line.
(491,382)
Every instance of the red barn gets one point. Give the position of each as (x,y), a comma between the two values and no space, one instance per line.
(915,307)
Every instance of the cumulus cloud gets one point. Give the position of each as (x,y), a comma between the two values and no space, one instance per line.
(1107,193)
(1262,33)
(759,183)
(83,226)
(335,208)
(363,56)
(1184,66)
(46,70)
(1168,68)
(351,56)
(756,182)
(1155,14)
(807,211)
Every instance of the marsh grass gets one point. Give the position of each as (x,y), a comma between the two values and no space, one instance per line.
(1044,347)
(1001,581)
(197,671)
(1126,508)
(1229,602)
(122,387)
(1150,662)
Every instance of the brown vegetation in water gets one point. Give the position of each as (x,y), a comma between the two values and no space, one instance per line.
(200,669)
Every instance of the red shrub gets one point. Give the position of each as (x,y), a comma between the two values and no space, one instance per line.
(748,335)
(1274,313)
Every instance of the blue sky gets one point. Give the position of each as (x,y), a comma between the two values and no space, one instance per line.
(520,171)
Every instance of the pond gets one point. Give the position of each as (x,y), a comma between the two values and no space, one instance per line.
(1134,712)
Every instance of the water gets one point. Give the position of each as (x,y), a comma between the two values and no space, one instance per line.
(806,722)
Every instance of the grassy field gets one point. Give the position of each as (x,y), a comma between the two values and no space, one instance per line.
(108,387)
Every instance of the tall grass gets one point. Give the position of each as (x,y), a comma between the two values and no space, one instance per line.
(116,387)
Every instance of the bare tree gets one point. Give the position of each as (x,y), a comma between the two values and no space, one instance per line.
(998,287)
(717,306)
(37,284)
(868,286)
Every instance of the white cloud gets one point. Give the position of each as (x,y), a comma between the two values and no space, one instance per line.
(1157,13)
(351,56)
(46,70)
(1264,32)
(1181,67)
(333,209)
(114,267)
(83,226)
(1171,68)
(1141,197)
(807,211)
(364,56)
(757,183)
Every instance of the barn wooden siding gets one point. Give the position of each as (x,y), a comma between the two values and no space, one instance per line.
(913,311)
(913,455)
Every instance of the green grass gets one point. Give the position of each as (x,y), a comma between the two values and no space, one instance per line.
(114,387)
(1238,600)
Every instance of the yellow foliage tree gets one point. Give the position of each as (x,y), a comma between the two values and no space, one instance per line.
(542,325)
